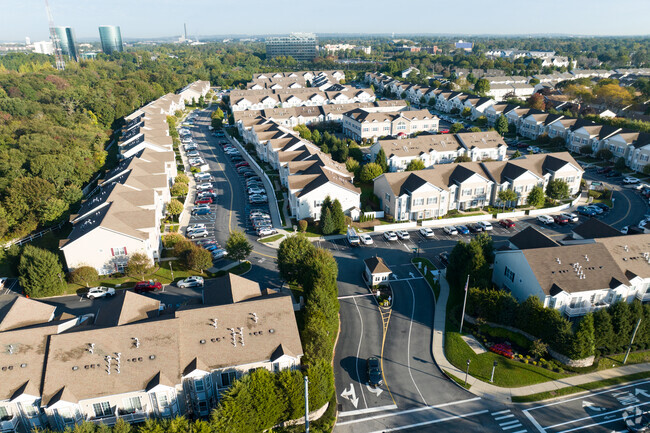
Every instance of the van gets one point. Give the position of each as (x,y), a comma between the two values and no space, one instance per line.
(353,237)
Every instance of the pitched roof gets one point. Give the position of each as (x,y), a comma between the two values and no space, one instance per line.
(530,237)
(126,307)
(594,228)
(481,140)
(631,253)
(376,265)
(423,143)
(22,312)
(230,289)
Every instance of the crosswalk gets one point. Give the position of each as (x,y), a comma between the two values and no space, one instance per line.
(508,422)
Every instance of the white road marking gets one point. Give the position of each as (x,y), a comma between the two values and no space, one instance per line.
(435,421)
(593,425)
(408,347)
(404,412)
(503,417)
(534,422)
(377,391)
(364,411)
(499,413)
(355,296)
(507,423)
(512,426)
(351,395)
(598,415)
(358,350)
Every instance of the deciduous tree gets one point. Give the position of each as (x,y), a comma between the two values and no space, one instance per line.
(40,272)
(139,265)
(415,164)
(238,247)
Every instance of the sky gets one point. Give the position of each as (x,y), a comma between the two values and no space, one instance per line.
(164,18)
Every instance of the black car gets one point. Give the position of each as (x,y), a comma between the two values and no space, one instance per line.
(444,258)
(603,206)
(374,371)
(475,228)
(614,173)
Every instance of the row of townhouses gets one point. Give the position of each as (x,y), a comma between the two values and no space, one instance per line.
(295,80)
(434,149)
(364,125)
(124,216)
(632,146)
(594,269)
(433,192)
(136,360)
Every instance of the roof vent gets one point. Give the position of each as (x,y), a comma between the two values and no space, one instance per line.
(202,341)
(23,365)
(214,323)
(271,331)
(255,318)
(136,342)
(152,357)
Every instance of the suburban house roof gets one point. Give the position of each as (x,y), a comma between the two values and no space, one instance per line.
(631,253)
(376,265)
(230,289)
(481,140)
(126,307)
(423,143)
(530,237)
(593,228)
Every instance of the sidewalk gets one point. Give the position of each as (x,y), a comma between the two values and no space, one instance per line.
(504,395)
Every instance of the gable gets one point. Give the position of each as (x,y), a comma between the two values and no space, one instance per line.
(474,178)
(527,176)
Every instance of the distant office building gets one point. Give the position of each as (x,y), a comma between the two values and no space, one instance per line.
(68,42)
(111,39)
(300,46)
(28,41)
(467,46)
(44,47)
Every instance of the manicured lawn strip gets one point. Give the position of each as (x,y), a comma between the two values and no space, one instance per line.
(457,380)
(509,373)
(580,388)
(270,238)
(432,282)
(241,268)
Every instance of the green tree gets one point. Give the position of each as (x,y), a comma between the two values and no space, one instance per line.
(291,255)
(507,196)
(463,158)
(501,125)
(583,344)
(174,207)
(474,129)
(181,178)
(381,160)
(557,189)
(415,164)
(517,154)
(466,112)
(620,164)
(370,171)
(326,221)
(139,265)
(455,128)
(40,272)
(179,189)
(84,276)
(536,197)
(238,247)
(302,226)
(646,169)
(603,330)
(622,322)
(352,165)
(338,217)
(198,258)
(538,348)
(586,150)
(604,154)
(482,86)
(536,102)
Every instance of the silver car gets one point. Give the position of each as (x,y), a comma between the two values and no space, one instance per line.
(100,292)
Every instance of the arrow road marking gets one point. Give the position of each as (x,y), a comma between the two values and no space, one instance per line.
(377,391)
(642,392)
(351,395)
(589,405)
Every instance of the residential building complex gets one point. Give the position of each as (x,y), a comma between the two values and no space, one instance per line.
(365,125)
(111,39)
(135,360)
(432,192)
(301,46)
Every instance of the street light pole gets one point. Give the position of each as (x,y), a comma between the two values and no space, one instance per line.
(631,341)
(494,366)
(306,404)
(467,372)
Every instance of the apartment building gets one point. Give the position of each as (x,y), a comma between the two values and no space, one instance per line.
(536,124)
(301,46)
(578,277)
(364,125)
(297,97)
(433,192)
(493,112)
(589,134)
(307,192)
(193,91)
(135,361)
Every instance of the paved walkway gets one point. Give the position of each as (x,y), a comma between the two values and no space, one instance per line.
(488,391)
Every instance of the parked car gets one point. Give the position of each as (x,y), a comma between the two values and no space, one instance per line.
(256,190)
(427,232)
(199,233)
(203,177)
(258,199)
(147,286)
(475,228)
(560,219)
(266,231)
(365,239)
(586,211)
(241,164)
(444,258)
(194,281)
(545,219)
(403,234)
(614,173)
(486,225)
(203,200)
(629,180)
(463,230)
(194,227)
(602,206)
(604,170)
(100,292)
(390,236)
(507,223)
(193,153)
(573,218)
(196,162)
(373,368)
(204,186)
(219,254)
(201,211)
(597,210)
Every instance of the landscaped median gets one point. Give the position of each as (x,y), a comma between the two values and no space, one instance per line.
(426,264)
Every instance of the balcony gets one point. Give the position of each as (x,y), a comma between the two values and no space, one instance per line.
(131,418)
(583,308)
(9,424)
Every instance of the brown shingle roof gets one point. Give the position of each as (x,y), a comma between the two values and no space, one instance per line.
(376,265)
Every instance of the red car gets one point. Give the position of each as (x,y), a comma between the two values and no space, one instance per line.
(203,200)
(507,223)
(444,131)
(147,286)
(241,164)
(559,219)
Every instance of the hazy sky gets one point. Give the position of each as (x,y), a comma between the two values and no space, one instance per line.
(156,18)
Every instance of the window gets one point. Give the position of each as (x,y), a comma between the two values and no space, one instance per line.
(467,192)
(365,129)
(65,414)
(509,274)
(132,404)
(163,400)
(386,128)
(276,366)
(228,378)
(318,203)
(102,409)
(4,414)
(479,191)
(432,200)
(387,197)
(203,406)
(199,385)
(30,410)
(418,202)
(570,179)
(121,251)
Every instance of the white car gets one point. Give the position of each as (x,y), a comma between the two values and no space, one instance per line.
(100,292)
(545,219)
(202,176)
(199,233)
(390,236)
(190,282)
(255,190)
(486,226)
(193,153)
(630,180)
(366,239)
(219,254)
(204,186)
(266,232)
(194,162)
(190,146)
(573,218)
(194,227)
(403,234)
(450,230)
(427,232)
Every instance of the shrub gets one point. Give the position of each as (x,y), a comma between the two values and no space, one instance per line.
(170,240)
(40,272)
(182,178)
(302,226)
(179,189)
(84,276)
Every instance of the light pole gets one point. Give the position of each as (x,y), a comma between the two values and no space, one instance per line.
(467,372)
(494,366)
(306,404)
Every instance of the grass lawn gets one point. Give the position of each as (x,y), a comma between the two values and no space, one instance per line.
(461,382)
(313,231)
(580,388)
(241,268)
(270,238)
(432,282)
(509,373)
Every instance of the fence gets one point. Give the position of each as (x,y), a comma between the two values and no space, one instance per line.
(515,214)
(456,221)
(398,226)
(33,236)
(374,214)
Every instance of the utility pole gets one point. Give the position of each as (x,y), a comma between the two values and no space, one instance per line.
(632,341)
(58,54)
(462,318)
(306,404)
